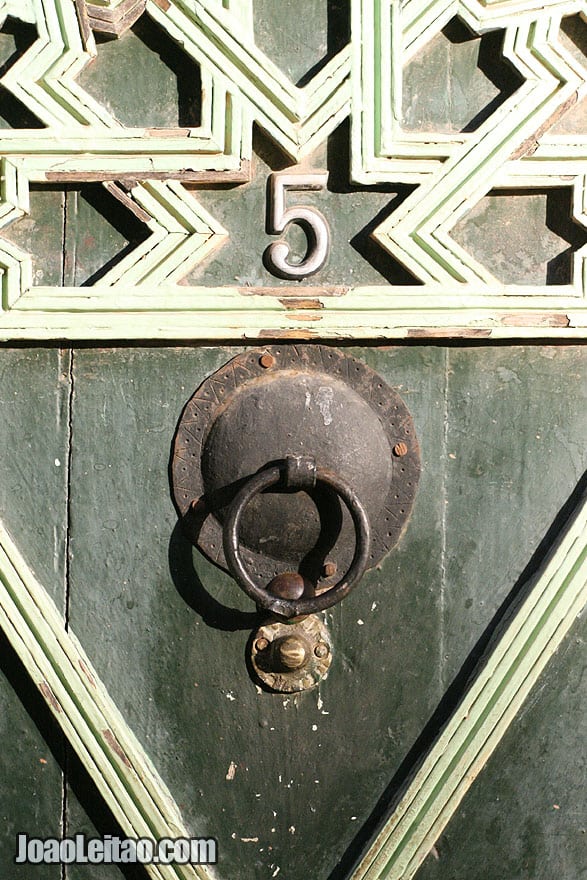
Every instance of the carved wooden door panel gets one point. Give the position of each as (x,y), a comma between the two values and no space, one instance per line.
(425,165)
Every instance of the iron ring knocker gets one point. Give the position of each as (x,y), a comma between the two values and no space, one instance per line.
(243,432)
(296,472)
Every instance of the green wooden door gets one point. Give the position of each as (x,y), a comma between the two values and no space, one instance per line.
(136,147)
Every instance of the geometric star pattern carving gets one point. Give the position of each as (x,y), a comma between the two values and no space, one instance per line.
(516,147)
(455,171)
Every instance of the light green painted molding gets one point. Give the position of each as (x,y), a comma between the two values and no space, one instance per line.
(166,312)
(22,9)
(456,171)
(239,83)
(507,675)
(83,141)
(181,234)
(82,136)
(58,665)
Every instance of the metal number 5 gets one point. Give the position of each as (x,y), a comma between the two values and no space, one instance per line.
(310,219)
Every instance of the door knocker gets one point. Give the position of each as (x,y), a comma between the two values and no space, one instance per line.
(295,469)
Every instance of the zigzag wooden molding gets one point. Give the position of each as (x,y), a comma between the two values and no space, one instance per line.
(181,234)
(83,141)
(505,678)
(58,665)
(418,233)
(514,148)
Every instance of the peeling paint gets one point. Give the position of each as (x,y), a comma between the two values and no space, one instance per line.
(285,334)
(85,669)
(286,293)
(303,317)
(50,696)
(529,146)
(297,303)
(116,747)
(448,333)
(540,319)
(324,399)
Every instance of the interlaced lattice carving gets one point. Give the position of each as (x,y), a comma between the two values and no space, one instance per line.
(517,146)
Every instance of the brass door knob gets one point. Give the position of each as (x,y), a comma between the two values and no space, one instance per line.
(291,652)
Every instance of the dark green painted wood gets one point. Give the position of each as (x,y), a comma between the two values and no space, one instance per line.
(34,427)
(524,237)
(351,212)
(525,817)
(516,427)
(97,230)
(300,44)
(471,79)
(98,233)
(144,80)
(40,234)
(34,402)
(148,614)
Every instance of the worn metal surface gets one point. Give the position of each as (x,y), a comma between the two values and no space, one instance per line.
(307,400)
(274,598)
(291,657)
(277,257)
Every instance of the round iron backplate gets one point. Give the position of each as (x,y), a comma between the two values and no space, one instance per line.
(295,399)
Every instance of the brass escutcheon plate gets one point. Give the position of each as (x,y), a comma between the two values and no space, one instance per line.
(312,633)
